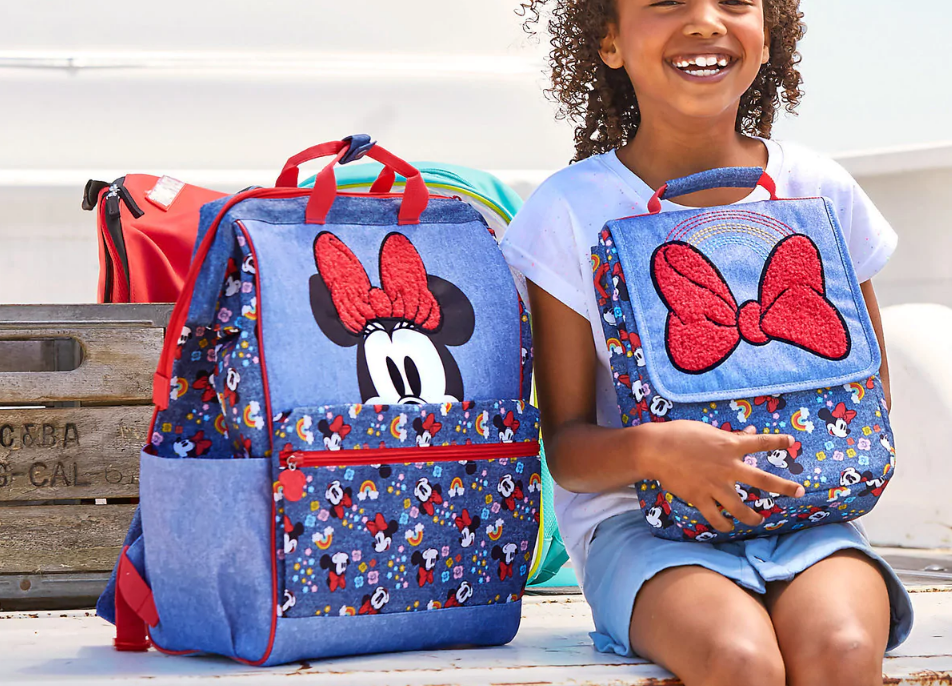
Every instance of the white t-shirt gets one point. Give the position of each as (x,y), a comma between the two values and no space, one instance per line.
(549,241)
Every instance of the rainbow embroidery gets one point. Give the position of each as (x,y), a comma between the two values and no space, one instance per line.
(220,424)
(303,428)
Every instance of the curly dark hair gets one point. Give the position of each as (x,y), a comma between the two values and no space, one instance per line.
(601,102)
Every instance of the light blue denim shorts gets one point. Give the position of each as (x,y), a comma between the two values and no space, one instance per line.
(624,555)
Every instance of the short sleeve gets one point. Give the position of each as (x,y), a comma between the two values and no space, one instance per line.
(872,241)
(869,237)
(540,243)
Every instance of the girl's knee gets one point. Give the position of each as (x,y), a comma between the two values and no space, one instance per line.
(744,662)
(848,656)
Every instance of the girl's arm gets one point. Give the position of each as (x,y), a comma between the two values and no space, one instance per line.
(693,460)
(872,305)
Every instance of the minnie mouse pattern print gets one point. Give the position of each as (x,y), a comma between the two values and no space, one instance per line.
(745,316)
(400,536)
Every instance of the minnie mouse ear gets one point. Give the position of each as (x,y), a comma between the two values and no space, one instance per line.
(458,317)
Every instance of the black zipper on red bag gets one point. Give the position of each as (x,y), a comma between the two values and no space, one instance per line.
(437,453)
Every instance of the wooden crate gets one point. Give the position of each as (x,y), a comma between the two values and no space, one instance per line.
(75,407)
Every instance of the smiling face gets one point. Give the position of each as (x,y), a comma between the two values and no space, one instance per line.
(688,58)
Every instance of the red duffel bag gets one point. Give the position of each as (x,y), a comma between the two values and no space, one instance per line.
(147,228)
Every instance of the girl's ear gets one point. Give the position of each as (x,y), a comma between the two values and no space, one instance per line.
(608,48)
(765,57)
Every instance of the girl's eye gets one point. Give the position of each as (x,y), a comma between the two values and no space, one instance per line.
(665,3)
(738,3)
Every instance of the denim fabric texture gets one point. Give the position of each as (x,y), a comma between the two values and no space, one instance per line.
(293,340)
(206,525)
(738,241)
(843,453)
(728,177)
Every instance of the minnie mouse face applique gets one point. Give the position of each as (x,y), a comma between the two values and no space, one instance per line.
(402,329)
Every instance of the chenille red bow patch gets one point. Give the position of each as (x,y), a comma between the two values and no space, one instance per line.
(404,293)
(705,325)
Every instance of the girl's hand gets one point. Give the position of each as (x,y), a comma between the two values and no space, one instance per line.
(701,465)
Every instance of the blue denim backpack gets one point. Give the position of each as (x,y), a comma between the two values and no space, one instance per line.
(343,458)
(748,315)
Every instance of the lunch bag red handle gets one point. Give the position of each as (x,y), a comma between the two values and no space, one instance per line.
(415,197)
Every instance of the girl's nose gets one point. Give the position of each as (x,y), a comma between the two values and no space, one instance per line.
(704,20)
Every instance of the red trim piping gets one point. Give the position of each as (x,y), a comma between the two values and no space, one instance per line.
(436,453)
(267,400)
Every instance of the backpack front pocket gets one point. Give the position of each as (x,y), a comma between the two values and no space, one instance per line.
(404,508)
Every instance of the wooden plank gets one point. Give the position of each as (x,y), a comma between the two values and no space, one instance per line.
(51,590)
(62,538)
(20,316)
(117,366)
(84,452)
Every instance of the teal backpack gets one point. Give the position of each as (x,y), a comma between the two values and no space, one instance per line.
(498,204)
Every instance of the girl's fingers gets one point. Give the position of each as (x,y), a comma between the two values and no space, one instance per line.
(731,502)
(763,443)
(712,513)
(769,482)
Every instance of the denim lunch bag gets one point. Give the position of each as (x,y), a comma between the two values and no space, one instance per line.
(343,458)
(748,315)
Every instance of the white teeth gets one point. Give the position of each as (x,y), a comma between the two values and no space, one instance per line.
(722,62)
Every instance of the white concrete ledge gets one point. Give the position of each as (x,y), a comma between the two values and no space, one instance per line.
(552,648)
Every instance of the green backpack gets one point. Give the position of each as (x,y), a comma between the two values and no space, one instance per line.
(498,204)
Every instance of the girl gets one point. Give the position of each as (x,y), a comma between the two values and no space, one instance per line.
(661,89)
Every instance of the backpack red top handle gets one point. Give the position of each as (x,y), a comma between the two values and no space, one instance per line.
(726,177)
(415,197)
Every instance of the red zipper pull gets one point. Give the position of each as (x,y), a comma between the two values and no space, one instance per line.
(292,479)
